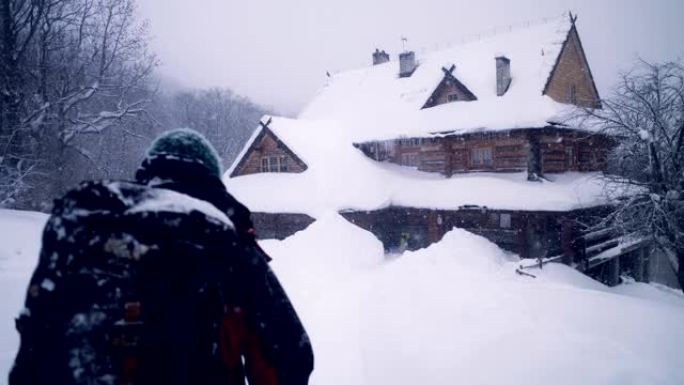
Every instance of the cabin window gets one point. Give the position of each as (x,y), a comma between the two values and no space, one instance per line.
(493,220)
(569,158)
(481,157)
(505,221)
(410,160)
(452,97)
(411,142)
(573,94)
(274,164)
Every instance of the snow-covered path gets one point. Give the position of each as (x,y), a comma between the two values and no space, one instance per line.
(452,313)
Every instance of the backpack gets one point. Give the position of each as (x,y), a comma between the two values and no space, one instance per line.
(131,288)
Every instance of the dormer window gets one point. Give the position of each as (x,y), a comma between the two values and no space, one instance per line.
(449,90)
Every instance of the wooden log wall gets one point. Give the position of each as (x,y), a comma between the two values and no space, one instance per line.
(529,234)
(563,151)
(556,150)
(279,225)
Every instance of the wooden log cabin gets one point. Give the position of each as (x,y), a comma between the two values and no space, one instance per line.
(475,136)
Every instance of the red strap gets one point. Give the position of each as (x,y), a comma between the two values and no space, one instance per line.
(239,340)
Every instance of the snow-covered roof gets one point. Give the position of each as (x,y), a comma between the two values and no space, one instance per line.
(339,177)
(375,103)
(296,134)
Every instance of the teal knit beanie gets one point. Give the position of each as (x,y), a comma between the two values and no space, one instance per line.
(189,145)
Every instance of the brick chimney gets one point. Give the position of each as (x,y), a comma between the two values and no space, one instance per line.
(380,57)
(503,75)
(407,64)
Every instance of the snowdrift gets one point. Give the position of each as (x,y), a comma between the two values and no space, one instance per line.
(456,312)
(452,313)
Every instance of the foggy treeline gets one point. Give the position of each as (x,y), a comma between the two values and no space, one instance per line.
(80,99)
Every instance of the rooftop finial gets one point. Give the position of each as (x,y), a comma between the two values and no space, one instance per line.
(263,124)
(573,18)
(404,40)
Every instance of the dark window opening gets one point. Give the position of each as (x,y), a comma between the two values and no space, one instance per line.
(505,221)
(481,157)
(573,94)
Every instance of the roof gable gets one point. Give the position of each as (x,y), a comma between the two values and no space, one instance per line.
(257,147)
(570,80)
(449,90)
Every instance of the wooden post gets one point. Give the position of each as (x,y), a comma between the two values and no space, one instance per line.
(449,158)
(433,227)
(643,260)
(534,161)
(523,248)
(566,238)
(613,271)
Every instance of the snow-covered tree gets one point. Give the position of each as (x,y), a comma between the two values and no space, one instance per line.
(69,68)
(646,115)
(79,99)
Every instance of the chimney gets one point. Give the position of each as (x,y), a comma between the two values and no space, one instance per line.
(380,57)
(503,75)
(407,64)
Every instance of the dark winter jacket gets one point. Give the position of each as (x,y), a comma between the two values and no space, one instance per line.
(195,180)
(206,300)
(188,177)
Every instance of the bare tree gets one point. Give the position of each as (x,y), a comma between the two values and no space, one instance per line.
(76,68)
(646,115)
(77,98)
(226,119)
(19,24)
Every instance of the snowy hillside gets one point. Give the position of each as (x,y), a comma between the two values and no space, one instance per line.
(452,313)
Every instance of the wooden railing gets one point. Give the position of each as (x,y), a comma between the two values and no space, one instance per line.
(588,250)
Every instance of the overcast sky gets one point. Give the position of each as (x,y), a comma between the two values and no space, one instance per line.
(276,52)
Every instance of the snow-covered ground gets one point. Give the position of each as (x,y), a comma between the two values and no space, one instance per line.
(20,233)
(455,312)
